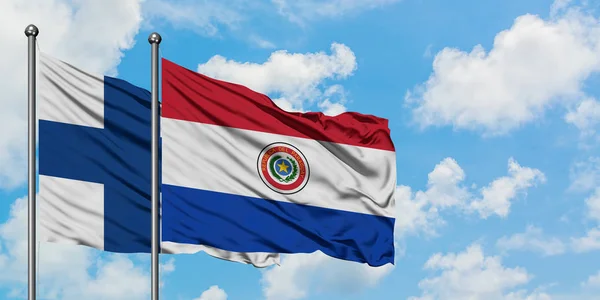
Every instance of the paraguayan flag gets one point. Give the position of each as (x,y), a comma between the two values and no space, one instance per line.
(240,174)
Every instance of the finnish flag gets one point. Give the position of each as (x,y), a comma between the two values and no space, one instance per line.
(95,164)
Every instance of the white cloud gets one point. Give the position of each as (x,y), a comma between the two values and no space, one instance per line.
(532,239)
(443,184)
(298,274)
(472,275)
(118,278)
(593,205)
(593,281)
(306,10)
(68,271)
(524,295)
(331,109)
(559,6)
(417,214)
(203,17)
(286,105)
(420,211)
(261,42)
(213,293)
(87,33)
(585,175)
(334,100)
(165,269)
(293,79)
(532,66)
(168,266)
(212,17)
(586,117)
(427,53)
(496,196)
(589,242)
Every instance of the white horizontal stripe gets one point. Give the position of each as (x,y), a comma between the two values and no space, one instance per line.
(69,95)
(257,259)
(223,159)
(71,211)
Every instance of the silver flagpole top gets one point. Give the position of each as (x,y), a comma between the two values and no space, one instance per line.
(33,30)
(154,38)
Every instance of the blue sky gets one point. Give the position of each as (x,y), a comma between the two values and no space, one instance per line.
(492,107)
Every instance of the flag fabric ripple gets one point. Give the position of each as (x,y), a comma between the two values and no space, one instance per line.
(240,174)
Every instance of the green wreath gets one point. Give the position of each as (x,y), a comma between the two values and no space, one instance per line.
(290,177)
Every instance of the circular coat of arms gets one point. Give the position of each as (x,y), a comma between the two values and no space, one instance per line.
(283,168)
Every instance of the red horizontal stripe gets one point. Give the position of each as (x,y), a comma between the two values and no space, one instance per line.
(191,96)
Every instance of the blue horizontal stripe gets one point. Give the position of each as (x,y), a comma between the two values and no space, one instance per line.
(245,224)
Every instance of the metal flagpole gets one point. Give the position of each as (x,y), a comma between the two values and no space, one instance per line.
(31,32)
(154,39)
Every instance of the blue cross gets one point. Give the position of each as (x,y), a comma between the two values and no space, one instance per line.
(117,156)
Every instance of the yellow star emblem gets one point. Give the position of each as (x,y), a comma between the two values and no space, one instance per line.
(283,167)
